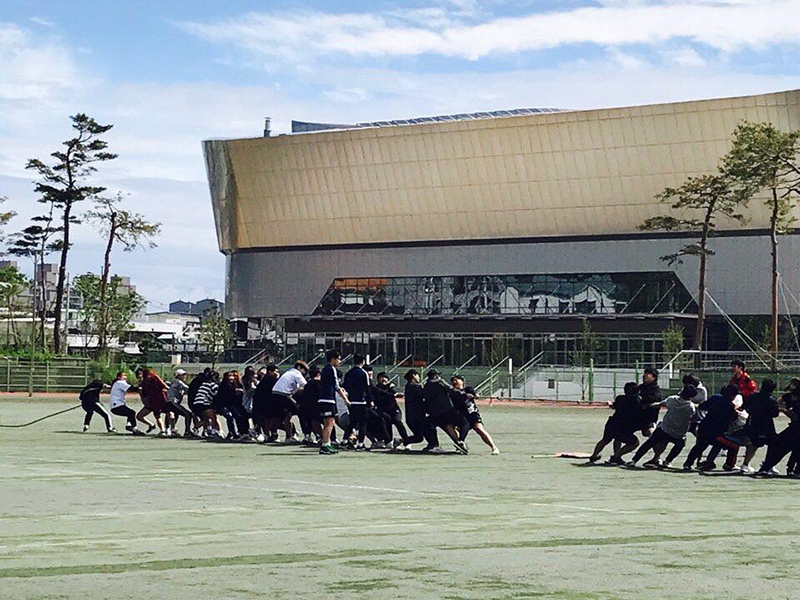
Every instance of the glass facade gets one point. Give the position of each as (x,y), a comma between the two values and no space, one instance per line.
(596,293)
(481,350)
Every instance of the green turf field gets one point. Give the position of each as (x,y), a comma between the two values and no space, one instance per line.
(103,516)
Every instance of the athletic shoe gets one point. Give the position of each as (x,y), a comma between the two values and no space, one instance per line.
(129,427)
(461,447)
(169,432)
(594,459)
(774,472)
(495,451)
(666,466)
(652,464)
(630,464)
(292,440)
(730,468)
(437,450)
(747,470)
(85,428)
(377,446)
(112,430)
(261,438)
(360,447)
(396,443)
(328,449)
(137,432)
(614,461)
(190,435)
(707,466)
(688,468)
(307,440)
(150,429)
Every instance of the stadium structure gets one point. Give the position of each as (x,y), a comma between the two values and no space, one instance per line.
(484,235)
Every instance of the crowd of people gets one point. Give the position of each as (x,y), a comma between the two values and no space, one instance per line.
(741,415)
(263,405)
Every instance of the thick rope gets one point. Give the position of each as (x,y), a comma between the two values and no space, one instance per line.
(61,412)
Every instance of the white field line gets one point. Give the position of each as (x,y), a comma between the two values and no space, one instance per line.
(125,514)
(123,540)
(368,487)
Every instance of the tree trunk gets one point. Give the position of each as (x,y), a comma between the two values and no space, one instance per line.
(62,278)
(102,330)
(774,243)
(701,284)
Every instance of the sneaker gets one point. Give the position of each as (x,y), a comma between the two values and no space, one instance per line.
(730,468)
(688,468)
(614,461)
(630,464)
(707,466)
(169,433)
(397,444)
(652,464)
(495,451)
(666,465)
(261,438)
(361,447)
(377,445)
(111,430)
(129,428)
(328,449)
(135,431)
(307,441)
(190,435)
(85,428)
(774,472)
(594,459)
(150,429)
(292,440)
(437,450)
(461,447)
(747,470)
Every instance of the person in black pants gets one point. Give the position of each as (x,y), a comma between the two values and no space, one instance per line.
(262,398)
(308,410)
(787,440)
(416,419)
(385,397)
(90,402)
(356,384)
(719,411)
(228,403)
(621,426)
(651,397)
(442,412)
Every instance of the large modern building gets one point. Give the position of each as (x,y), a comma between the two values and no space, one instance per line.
(488,235)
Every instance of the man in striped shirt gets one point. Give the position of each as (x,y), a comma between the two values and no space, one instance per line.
(203,403)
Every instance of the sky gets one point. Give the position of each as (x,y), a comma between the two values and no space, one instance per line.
(171,73)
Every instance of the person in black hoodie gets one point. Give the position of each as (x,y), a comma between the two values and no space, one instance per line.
(90,402)
(651,397)
(229,405)
(441,410)
(762,408)
(384,397)
(464,400)
(416,419)
(787,440)
(308,410)
(262,397)
(621,426)
(719,412)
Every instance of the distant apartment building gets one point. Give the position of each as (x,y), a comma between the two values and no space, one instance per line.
(196,308)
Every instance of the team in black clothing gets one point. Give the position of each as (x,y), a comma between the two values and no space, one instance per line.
(739,416)
(258,406)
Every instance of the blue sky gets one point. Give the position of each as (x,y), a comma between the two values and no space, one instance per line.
(170,73)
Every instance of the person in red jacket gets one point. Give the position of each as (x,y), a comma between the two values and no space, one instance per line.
(154,398)
(742,380)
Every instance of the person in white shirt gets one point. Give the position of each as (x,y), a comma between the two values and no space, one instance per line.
(118,407)
(290,383)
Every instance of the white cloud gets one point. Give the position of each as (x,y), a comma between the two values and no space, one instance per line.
(43,22)
(683,57)
(299,36)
